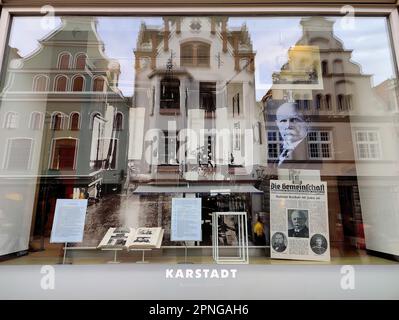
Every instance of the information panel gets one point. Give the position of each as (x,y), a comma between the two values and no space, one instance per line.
(299,220)
(69,220)
(186,219)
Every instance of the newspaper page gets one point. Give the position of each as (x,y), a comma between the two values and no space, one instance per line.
(299,220)
(123,237)
(116,238)
(146,238)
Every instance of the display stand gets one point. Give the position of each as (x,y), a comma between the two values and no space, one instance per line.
(242,239)
(115,261)
(143,250)
(65,252)
(142,256)
(185,255)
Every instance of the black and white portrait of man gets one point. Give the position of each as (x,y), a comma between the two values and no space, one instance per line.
(292,127)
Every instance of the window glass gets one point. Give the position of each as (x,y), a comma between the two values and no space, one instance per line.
(132,112)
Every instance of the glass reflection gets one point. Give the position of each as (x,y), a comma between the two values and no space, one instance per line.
(131,112)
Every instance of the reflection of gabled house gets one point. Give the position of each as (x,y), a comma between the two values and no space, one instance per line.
(194,101)
(195,124)
(63,118)
(350,123)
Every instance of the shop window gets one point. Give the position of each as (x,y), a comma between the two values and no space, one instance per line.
(319,145)
(36,121)
(368,144)
(78,84)
(40,83)
(115,125)
(207,96)
(74,120)
(118,121)
(11,120)
(63,154)
(64,61)
(19,154)
(98,84)
(80,61)
(61,84)
(195,54)
(170,94)
(274,144)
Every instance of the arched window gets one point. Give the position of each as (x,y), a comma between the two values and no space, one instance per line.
(63,154)
(318,102)
(40,83)
(74,121)
(195,54)
(80,61)
(78,84)
(349,102)
(324,67)
(328,101)
(98,84)
(64,61)
(36,120)
(306,102)
(341,102)
(170,93)
(95,117)
(11,120)
(61,84)
(57,121)
(203,54)
(118,121)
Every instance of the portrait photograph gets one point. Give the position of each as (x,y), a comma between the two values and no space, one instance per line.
(298,223)
(279,242)
(318,244)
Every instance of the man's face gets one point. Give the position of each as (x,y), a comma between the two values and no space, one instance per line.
(279,239)
(319,242)
(290,123)
(298,220)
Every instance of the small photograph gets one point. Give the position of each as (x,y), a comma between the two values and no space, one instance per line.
(298,223)
(117,241)
(144,232)
(142,240)
(120,242)
(228,226)
(318,244)
(279,242)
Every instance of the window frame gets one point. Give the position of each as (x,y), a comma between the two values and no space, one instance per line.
(356,131)
(278,142)
(319,142)
(194,58)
